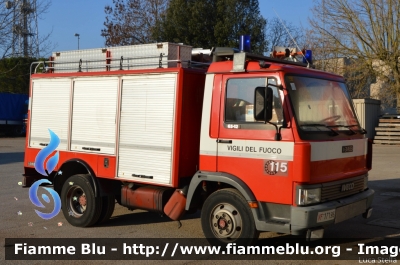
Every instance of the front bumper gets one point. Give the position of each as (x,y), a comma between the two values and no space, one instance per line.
(304,218)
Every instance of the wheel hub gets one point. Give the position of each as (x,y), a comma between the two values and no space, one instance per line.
(226,222)
(77,200)
(82,200)
(222,223)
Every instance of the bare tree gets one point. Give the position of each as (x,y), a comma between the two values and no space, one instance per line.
(6,19)
(133,21)
(328,57)
(366,31)
(282,33)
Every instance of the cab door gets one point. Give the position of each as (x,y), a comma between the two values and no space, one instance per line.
(247,148)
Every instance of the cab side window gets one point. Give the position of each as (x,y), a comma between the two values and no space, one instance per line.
(239,101)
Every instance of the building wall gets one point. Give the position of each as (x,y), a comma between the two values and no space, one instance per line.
(368,112)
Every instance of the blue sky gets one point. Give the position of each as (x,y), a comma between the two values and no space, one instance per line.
(86,17)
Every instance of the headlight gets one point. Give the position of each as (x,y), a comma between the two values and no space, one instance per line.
(309,196)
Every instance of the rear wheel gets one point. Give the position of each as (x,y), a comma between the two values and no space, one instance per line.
(80,206)
(107,208)
(226,218)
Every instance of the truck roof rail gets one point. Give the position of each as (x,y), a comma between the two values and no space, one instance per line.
(131,57)
(52,66)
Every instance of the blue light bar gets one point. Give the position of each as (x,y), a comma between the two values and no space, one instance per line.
(244,43)
(308,57)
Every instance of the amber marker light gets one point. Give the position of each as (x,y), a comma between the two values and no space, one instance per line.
(253,204)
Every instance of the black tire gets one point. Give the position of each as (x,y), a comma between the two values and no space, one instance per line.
(226,218)
(107,208)
(80,206)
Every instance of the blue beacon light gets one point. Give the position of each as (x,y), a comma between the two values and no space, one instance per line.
(308,57)
(244,43)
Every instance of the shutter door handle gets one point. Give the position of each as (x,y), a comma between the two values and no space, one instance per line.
(224,141)
(91,148)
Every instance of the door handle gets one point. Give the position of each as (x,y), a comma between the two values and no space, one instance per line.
(224,141)
(91,148)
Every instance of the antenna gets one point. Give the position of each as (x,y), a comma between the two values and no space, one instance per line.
(280,20)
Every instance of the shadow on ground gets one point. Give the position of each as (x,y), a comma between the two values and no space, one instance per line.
(9,158)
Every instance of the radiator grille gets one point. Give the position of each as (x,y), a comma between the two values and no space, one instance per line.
(334,191)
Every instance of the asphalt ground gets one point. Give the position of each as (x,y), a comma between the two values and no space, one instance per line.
(19,220)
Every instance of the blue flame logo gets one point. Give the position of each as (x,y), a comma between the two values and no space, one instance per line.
(44,153)
(35,200)
(50,165)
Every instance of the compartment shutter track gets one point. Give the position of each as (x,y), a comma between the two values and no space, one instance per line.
(50,110)
(146,128)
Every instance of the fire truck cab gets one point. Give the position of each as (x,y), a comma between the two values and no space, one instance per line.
(257,143)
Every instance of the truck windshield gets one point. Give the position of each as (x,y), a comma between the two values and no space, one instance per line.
(321,105)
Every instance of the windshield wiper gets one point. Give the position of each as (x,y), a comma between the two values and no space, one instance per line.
(361,130)
(334,133)
(352,132)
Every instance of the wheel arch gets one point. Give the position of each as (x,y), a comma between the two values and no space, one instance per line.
(74,167)
(225,178)
(229,181)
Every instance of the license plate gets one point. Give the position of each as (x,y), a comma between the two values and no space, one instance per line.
(347,149)
(350,210)
(326,216)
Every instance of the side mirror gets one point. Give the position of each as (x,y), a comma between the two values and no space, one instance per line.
(263,97)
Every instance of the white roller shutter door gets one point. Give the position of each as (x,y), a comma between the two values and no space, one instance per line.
(50,105)
(146,128)
(94,115)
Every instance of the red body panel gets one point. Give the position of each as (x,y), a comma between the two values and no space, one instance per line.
(188,135)
(95,161)
(324,171)
(301,162)
(277,189)
(208,163)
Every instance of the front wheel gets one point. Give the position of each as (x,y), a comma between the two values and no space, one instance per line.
(80,206)
(226,218)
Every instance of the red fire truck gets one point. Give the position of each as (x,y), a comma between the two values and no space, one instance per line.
(257,143)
